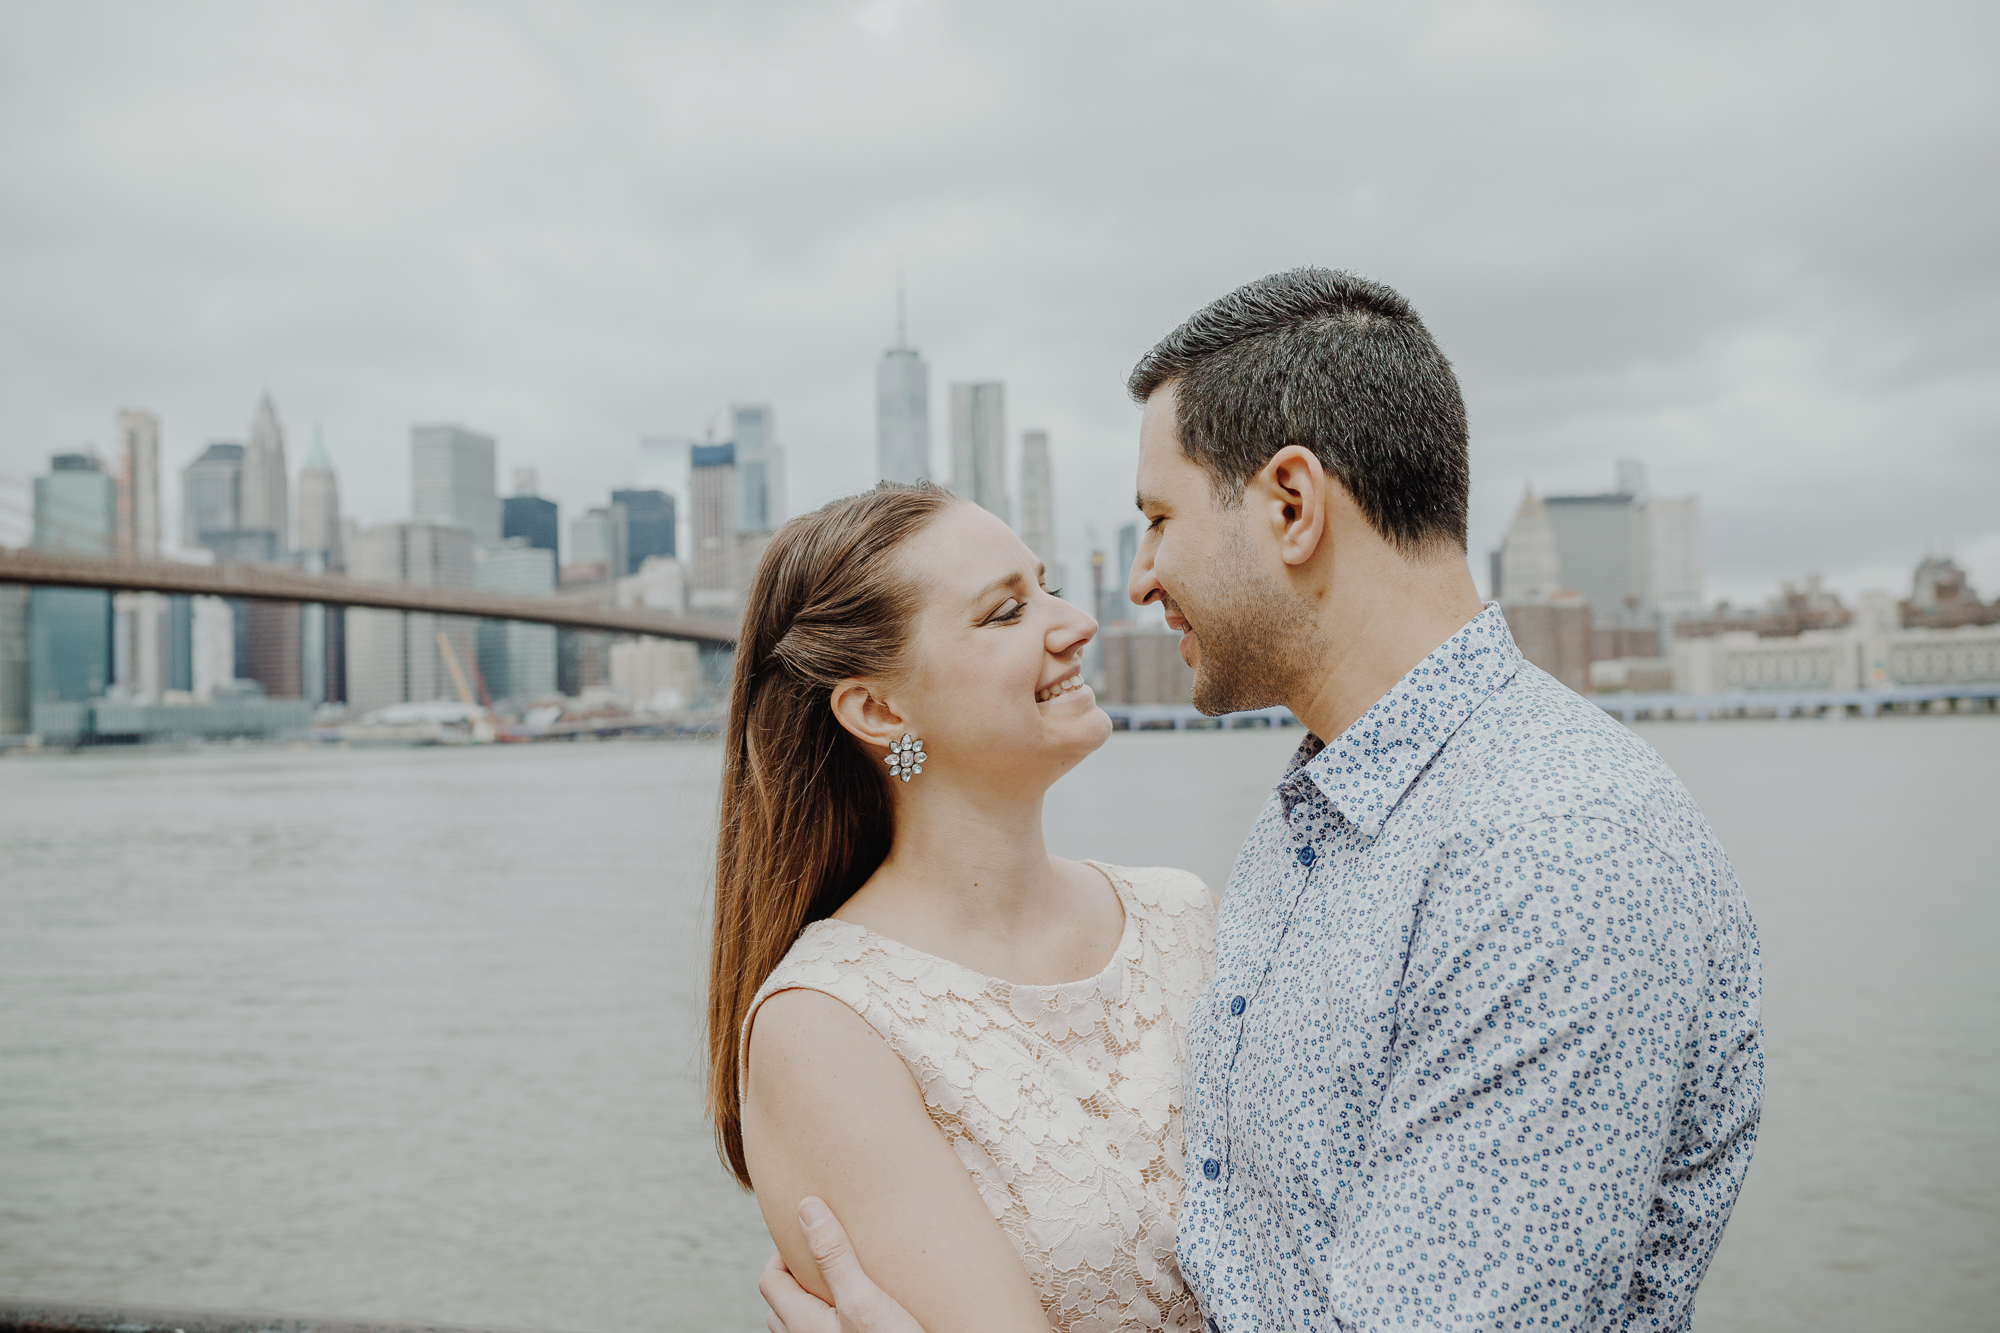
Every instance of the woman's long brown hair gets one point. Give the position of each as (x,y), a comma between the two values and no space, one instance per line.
(805,810)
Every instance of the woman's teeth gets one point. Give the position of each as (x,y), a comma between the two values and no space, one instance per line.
(1062,687)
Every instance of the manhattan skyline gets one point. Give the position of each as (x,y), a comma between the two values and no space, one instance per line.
(1741,248)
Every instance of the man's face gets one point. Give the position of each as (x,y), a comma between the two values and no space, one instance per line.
(1222,582)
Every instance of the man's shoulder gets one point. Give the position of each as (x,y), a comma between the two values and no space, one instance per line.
(1537,751)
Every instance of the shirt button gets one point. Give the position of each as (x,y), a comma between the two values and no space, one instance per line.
(1305,856)
(1211,1168)
(1236,1005)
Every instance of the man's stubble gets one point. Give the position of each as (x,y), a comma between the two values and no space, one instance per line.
(1251,632)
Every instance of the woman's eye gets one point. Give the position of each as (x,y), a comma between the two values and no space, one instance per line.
(1009,610)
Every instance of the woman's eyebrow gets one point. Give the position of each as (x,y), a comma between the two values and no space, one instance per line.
(998,585)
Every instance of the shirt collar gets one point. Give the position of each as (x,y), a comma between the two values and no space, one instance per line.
(1366,771)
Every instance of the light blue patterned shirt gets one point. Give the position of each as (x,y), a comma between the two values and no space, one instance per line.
(1482,1050)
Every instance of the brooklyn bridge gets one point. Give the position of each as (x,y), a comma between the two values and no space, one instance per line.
(270,583)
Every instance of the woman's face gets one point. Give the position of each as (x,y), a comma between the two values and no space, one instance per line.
(996,686)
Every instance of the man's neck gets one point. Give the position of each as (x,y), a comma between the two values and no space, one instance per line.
(1374,633)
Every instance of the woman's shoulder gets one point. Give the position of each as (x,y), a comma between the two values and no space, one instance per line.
(1162,888)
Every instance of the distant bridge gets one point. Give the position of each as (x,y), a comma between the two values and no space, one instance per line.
(275,583)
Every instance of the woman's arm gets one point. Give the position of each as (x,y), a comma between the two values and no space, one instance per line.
(831,1111)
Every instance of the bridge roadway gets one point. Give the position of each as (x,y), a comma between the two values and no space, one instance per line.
(275,583)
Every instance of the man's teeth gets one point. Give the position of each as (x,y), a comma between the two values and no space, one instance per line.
(1073,683)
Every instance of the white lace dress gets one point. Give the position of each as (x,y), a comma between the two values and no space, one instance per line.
(1062,1101)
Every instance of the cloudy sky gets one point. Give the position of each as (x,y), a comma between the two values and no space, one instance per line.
(1755,246)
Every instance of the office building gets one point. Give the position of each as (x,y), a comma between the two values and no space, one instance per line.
(649,526)
(139,619)
(760,468)
(1118,595)
(712,561)
(266,483)
(69,629)
(1142,664)
(902,410)
(516,660)
(211,647)
(1551,624)
(979,444)
(212,494)
(14,688)
(660,584)
(454,480)
(396,656)
(318,514)
(1675,530)
(1038,500)
(527,515)
(656,675)
(598,537)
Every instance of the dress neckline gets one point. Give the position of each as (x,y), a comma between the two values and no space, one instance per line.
(1128,940)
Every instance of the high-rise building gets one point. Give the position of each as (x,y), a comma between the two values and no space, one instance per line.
(712,576)
(902,409)
(138,485)
(760,468)
(598,537)
(319,504)
(69,629)
(1038,500)
(516,660)
(212,494)
(979,444)
(649,526)
(527,515)
(1675,522)
(395,656)
(1606,553)
(14,687)
(454,480)
(266,483)
(1118,599)
(139,625)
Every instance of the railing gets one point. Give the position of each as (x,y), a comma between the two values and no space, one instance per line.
(24,1316)
(275,583)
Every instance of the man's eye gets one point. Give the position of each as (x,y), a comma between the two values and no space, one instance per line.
(1156,522)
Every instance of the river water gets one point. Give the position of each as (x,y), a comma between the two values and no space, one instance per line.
(414,1034)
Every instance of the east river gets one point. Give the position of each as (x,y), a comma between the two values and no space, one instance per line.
(416,1034)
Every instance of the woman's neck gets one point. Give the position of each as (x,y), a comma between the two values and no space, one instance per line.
(969,878)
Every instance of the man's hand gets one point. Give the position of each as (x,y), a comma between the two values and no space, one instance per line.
(859,1306)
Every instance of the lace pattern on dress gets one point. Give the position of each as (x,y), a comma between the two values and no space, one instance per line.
(1062,1101)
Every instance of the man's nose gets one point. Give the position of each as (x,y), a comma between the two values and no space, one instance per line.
(1140,584)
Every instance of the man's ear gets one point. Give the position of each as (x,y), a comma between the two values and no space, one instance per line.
(868,717)
(1294,492)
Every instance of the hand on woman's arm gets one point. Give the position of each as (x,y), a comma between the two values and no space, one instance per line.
(859,1306)
(832,1113)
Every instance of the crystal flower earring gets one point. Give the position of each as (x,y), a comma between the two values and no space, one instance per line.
(906,757)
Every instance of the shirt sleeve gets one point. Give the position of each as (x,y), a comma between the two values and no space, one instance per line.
(1542,1025)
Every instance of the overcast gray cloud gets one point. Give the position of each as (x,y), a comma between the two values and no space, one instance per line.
(1753,245)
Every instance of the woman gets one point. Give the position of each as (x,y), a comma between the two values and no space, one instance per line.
(969,1048)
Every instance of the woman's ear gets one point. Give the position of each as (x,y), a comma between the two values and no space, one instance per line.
(869,719)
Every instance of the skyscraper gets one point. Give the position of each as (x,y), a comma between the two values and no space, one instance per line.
(266,484)
(712,559)
(138,484)
(526,514)
(598,537)
(649,525)
(1038,500)
(979,444)
(69,629)
(454,480)
(902,409)
(760,468)
(516,660)
(393,656)
(212,494)
(142,666)
(319,504)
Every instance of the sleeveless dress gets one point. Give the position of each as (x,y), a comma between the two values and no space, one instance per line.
(1064,1102)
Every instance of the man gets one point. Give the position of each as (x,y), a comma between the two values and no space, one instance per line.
(1482,1048)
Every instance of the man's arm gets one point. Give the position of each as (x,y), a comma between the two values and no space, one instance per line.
(830,1112)
(1542,1034)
